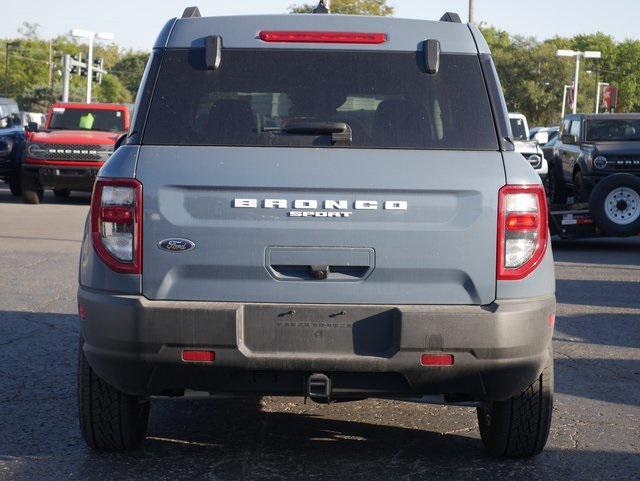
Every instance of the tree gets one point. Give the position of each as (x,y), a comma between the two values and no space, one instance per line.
(350,7)
(129,70)
(111,90)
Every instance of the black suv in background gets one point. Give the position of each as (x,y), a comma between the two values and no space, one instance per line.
(12,141)
(597,160)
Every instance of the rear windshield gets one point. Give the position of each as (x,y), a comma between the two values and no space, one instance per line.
(386,99)
(613,130)
(86,119)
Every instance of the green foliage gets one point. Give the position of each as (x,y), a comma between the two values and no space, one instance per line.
(129,69)
(350,7)
(36,99)
(111,90)
(35,82)
(533,78)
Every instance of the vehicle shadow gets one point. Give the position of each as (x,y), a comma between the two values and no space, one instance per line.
(621,330)
(76,198)
(599,293)
(609,250)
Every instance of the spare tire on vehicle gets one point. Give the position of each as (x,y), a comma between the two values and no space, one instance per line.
(615,204)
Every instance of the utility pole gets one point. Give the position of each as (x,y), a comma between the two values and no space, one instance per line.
(51,64)
(66,71)
(472,11)
(328,4)
(6,66)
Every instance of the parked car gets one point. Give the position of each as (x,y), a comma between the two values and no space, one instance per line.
(314,227)
(67,154)
(529,149)
(12,141)
(597,160)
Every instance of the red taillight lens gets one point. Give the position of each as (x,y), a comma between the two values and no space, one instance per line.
(522,230)
(116,224)
(323,37)
(198,356)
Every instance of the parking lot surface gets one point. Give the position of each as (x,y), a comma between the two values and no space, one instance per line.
(595,433)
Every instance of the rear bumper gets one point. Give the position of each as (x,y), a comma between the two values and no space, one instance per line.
(136,345)
(71,177)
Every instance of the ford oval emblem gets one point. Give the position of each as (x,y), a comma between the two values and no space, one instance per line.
(176,245)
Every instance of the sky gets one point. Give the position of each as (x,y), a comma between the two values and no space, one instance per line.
(136,23)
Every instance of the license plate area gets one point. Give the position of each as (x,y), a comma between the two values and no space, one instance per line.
(321,330)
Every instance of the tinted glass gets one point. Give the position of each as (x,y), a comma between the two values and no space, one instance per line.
(386,98)
(613,130)
(518,129)
(87,119)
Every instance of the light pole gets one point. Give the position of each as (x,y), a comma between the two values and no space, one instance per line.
(91,36)
(472,11)
(576,79)
(600,85)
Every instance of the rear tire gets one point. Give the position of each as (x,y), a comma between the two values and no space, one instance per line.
(15,185)
(615,205)
(557,185)
(110,420)
(62,193)
(519,427)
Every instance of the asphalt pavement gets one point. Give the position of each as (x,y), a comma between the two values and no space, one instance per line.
(595,432)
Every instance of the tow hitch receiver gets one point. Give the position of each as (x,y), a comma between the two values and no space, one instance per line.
(319,388)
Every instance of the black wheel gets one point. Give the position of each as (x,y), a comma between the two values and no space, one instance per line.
(519,427)
(557,185)
(110,420)
(15,185)
(583,190)
(615,204)
(62,193)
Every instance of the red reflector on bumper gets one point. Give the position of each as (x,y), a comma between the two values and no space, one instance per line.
(198,356)
(437,360)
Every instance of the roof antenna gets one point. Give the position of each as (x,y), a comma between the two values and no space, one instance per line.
(321,8)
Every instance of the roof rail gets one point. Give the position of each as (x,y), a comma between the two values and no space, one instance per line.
(451,17)
(191,12)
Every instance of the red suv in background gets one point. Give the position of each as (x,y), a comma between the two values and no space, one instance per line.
(67,154)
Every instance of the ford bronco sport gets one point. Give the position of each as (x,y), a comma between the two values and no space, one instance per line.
(318,205)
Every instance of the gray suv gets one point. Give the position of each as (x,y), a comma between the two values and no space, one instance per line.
(325,206)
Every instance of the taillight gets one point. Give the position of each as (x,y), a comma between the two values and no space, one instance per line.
(116,224)
(323,37)
(522,230)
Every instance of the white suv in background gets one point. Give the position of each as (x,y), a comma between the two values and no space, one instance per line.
(528,148)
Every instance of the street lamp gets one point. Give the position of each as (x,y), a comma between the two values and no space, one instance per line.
(576,79)
(91,36)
